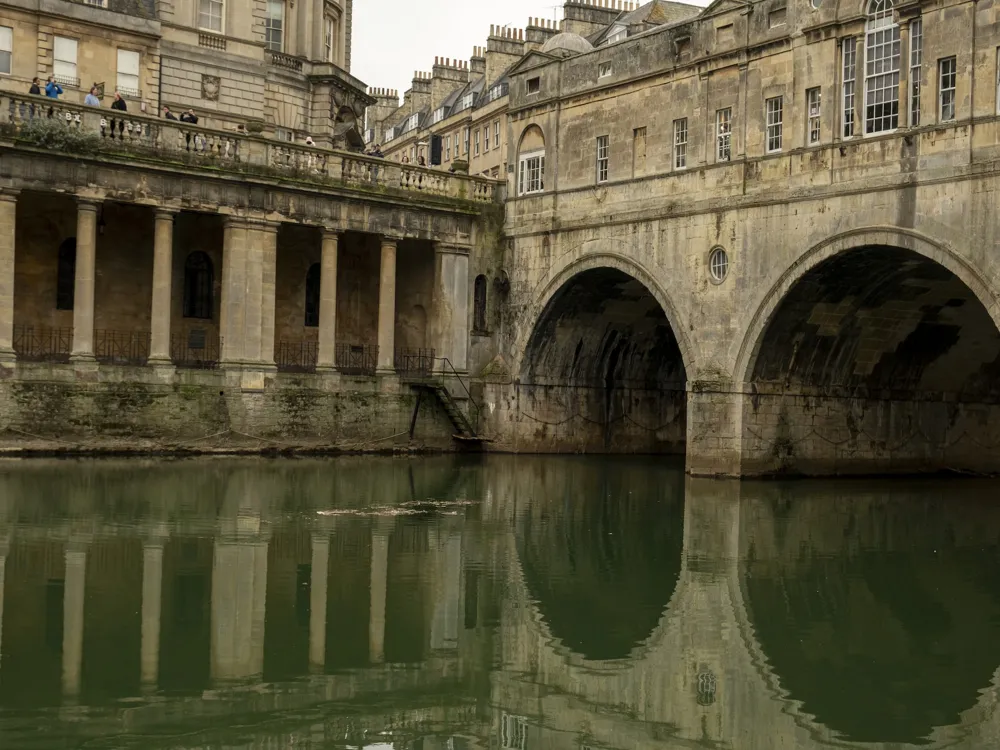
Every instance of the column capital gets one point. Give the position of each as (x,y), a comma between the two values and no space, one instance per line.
(262,225)
(452,248)
(9,194)
(165,212)
(387,241)
(331,232)
(86,203)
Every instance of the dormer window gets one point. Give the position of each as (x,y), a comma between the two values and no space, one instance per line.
(437,116)
(411,123)
(468,100)
(617,34)
(533,85)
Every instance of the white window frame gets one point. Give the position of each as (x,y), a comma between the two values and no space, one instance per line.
(531,172)
(209,10)
(603,151)
(62,67)
(774,112)
(437,115)
(468,100)
(604,70)
(882,68)
(466,135)
(274,23)
(127,81)
(7,46)
(947,89)
(848,101)
(724,134)
(447,148)
(496,134)
(916,68)
(814,108)
(475,140)
(680,142)
(328,37)
(618,34)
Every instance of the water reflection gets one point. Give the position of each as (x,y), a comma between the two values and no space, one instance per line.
(540,602)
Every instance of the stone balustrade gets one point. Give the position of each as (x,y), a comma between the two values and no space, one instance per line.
(24,119)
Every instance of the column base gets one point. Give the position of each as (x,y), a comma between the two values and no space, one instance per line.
(8,357)
(82,359)
(388,381)
(161,363)
(330,377)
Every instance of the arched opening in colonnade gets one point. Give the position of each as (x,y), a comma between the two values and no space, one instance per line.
(602,370)
(875,359)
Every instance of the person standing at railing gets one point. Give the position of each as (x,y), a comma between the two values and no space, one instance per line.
(91,99)
(35,87)
(168,115)
(191,119)
(118,104)
(52,89)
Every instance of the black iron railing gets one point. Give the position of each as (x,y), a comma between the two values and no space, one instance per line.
(414,361)
(296,356)
(357,359)
(37,344)
(196,349)
(121,347)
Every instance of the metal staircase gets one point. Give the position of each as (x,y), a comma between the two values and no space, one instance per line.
(465,430)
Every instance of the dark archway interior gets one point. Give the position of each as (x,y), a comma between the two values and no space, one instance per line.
(882,318)
(602,561)
(603,326)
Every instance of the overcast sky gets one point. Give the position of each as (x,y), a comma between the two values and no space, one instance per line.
(393,38)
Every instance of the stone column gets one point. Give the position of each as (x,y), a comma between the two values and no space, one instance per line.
(450,315)
(239,588)
(234,250)
(73,600)
(318,31)
(341,55)
(8,213)
(327,358)
(379,574)
(86,269)
(387,308)
(269,266)
(152,593)
(447,591)
(253,305)
(163,260)
(317,601)
(4,550)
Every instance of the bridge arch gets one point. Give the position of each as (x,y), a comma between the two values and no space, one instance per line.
(602,365)
(878,350)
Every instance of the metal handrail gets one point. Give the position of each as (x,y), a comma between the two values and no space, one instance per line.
(468,393)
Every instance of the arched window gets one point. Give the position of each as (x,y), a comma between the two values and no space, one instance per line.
(479,305)
(531,161)
(66,275)
(199,283)
(881,68)
(312,296)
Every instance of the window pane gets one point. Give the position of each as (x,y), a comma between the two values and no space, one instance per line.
(6,39)
(64,50)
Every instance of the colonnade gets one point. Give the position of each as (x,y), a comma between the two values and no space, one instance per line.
(248,292)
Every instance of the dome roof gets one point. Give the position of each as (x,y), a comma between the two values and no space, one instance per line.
(566,44)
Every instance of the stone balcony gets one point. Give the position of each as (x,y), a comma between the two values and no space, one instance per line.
(31,122)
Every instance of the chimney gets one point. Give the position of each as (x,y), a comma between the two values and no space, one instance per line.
(538,32)
(503,48)
(587,17)
(477,63)
(447,77)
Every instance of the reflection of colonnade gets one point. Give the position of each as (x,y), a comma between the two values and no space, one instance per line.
(237,601)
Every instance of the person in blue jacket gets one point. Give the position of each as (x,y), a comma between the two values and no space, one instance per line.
(52,89)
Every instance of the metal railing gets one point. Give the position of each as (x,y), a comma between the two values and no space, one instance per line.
(43,344)
(446,368)
(296,356)
(195,349)
(357,359)
(414,362)
(121,347)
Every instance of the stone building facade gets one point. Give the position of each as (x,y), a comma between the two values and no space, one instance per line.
(275,66)
(759,235)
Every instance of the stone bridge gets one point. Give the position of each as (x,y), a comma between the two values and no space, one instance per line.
(819,308)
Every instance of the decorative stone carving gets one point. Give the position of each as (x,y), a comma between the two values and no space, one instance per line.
(210,86)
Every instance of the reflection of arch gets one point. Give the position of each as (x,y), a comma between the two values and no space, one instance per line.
(607,260)
(199,286)
(312,296)
(66,275)
(479,305)
(857,238)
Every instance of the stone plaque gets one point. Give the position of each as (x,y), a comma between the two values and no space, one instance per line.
(210,86)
